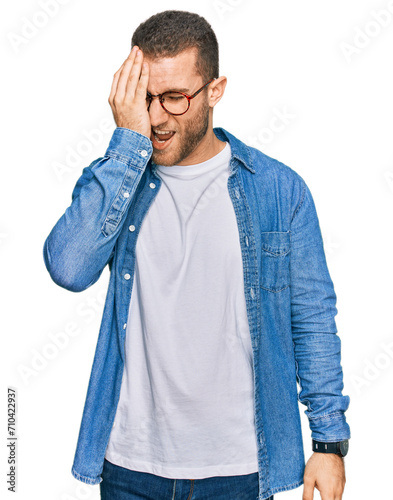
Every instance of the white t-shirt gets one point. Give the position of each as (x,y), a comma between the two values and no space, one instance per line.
(186,407)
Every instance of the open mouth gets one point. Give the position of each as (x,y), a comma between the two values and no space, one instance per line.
(162,139)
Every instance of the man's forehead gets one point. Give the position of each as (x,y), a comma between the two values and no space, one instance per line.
(170,72)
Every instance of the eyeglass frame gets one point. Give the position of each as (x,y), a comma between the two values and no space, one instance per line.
(189,97)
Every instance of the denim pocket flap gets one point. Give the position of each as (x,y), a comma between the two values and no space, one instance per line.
(276,246)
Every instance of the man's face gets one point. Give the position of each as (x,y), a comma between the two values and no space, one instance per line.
(177,73)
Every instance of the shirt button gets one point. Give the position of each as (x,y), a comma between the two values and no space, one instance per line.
(124,326)
(152,185)
(237,194)
(143,153)
(131,228)
(247,240)
(127,276)
(252,292)
(126,194)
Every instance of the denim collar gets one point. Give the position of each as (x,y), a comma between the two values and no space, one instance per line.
(239,150)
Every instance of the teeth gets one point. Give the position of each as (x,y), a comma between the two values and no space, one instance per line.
(162,132)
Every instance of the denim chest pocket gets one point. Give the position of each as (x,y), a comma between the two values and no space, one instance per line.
(275,258)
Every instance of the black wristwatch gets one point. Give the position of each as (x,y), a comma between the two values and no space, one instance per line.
(340,448)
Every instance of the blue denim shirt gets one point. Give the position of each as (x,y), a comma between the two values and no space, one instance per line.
(290,298)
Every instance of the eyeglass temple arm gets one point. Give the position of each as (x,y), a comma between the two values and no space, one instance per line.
(200,90)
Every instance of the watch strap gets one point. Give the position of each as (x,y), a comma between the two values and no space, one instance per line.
(321,447)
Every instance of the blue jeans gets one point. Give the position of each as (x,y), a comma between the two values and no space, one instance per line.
(119,483)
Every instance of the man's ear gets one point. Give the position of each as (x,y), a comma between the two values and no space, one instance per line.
(216,90)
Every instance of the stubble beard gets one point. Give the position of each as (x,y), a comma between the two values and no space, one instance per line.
(194,131)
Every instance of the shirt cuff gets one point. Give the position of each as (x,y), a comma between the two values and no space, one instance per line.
(130,147)
(330,428)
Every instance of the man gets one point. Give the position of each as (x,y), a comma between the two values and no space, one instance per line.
(219,300)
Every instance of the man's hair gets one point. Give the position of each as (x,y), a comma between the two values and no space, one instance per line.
(168,33)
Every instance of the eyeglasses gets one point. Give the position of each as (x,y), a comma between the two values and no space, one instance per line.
(175,103)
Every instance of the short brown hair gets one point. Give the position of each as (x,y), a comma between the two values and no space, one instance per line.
(168,33)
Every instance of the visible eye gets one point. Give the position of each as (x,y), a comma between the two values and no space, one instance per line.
(173,97)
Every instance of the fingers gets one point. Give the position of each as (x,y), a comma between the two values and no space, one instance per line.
(128,94)
(114,84)
(119,72)
(134,76)
(141,89)
(308,491)
(331,495)
(127,71)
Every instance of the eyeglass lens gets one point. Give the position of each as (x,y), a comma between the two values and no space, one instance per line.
(173,102)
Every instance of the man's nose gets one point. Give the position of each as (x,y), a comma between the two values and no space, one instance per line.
(158,115)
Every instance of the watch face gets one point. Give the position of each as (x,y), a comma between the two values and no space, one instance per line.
(344,447)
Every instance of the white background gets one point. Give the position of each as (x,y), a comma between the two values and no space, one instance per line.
(312,61)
